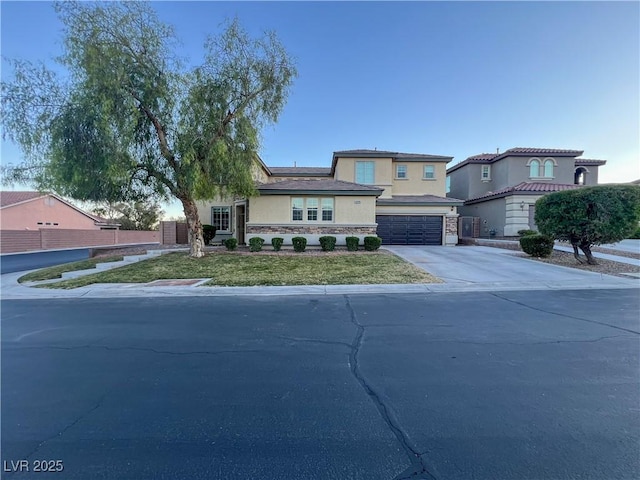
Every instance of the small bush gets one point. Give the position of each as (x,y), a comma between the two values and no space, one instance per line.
(255,244)
(524,233)
(537,245)
(352,244)
(299,244)
(277,243)
(636,234)
(372,244)
(328,243)
(208,232)
(231,243)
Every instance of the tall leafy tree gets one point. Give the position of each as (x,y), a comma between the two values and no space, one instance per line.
(589,216)
(130,122)
(131,215)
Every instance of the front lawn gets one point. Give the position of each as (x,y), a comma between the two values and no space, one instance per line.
(238,269)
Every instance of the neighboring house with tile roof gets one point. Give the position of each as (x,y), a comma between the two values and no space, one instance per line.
(28,210)
(397,196)
(502,188)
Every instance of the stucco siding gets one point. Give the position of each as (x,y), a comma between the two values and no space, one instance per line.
(49,211)
(346,171)
(491,213)
(415,184)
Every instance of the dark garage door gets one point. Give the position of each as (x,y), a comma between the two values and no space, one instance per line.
(410,229)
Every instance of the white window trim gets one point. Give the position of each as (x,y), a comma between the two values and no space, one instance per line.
(319,210)
(228,208)
(541,168)
(406,173)
(482,169)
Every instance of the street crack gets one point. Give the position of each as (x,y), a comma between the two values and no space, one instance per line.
(564,314)
(418,469)
(138,349)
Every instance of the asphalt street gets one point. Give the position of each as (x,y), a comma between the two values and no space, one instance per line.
(474,385)
(18,262)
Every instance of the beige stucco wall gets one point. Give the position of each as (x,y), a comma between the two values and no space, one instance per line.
(346,171)
(204,208)
(415,184)
(415,210)
(47,210)
(276,209)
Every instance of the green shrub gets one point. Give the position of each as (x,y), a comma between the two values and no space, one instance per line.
(299,244)
(372,243)
(524,233)
(208,232)
(230,243)
(636,234)
(352,244)
(537,245)
(328,243)
(277,243)
(255,244)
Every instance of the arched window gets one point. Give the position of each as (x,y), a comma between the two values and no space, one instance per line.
(548,168)
(580,176)
(534,168)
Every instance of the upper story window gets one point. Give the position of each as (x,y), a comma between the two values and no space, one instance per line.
(448,184)
(220,218)
(541,169)
(485,173)
(401,171)
(366,172)
(312,209)
(429,172)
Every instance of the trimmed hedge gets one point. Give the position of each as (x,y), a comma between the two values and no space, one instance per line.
(299,244)
(255,244)
(208,232)
(352,244)
(328,243)
(537,245)
(372,244)
(636,233)
(231,243)
(524,233)
(277,242)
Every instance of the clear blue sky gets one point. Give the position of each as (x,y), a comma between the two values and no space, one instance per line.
(451,78)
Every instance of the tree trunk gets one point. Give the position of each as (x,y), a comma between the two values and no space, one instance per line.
(576,254)
(196,239)
(586,248)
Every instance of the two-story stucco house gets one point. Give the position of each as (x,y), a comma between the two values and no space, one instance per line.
(502,188)
(397,196)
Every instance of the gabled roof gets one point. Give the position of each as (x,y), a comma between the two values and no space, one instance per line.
(13,198)
(300,171)
(415,200)
(317,187)
(524,188)
(9,199)
(516,152)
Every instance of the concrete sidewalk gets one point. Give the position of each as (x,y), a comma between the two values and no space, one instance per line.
(470,268)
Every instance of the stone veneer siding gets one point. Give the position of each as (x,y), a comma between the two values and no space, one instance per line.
(451,226)
(309,230)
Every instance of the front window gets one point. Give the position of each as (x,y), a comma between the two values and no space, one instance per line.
(365,172)
(220,218)
(401,171)
(327,209)
(486,172)
(297,205)
(429,172)
(312,209)
(448,184)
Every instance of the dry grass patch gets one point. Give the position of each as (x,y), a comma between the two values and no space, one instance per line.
(238,269)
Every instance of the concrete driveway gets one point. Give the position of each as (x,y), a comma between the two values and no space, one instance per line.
(468,265)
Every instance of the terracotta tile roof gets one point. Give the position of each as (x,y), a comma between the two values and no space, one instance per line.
(543,151)
(317,186)
(300,171)
(524,188)
(419,200)
(11,198)
(589,161)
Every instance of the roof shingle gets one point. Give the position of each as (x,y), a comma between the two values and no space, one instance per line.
(320,186)
(11,198)
(523,188)
(300,171)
